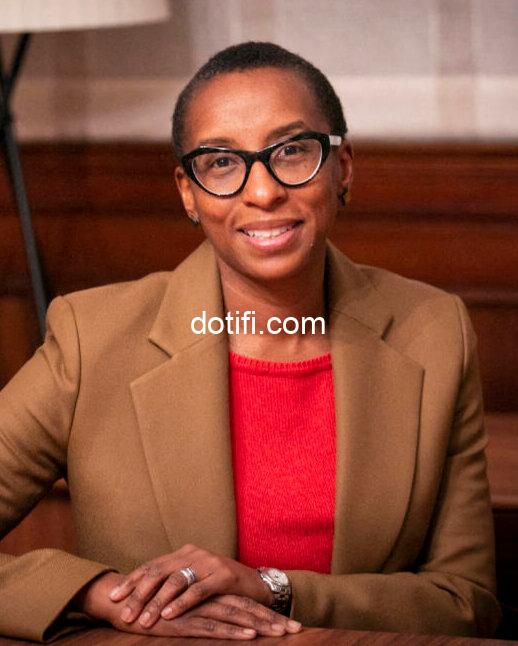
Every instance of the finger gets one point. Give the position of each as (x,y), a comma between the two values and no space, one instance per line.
(173,586)
(207,627)
(189,627)
(262,612)
(193,596)
(143,591)
(167,562)
(126,586)
(225,611)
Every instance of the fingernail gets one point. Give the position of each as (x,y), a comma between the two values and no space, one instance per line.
(294,625)
(277,628)
(248,631)
(126,614)
(167,612)
(145,617)
(115,592)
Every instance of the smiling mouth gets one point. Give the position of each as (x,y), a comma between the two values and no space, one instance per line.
(269,233)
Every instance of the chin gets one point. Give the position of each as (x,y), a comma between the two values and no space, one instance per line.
(283,267)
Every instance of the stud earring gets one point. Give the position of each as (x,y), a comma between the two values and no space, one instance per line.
(193,218)
(342,194)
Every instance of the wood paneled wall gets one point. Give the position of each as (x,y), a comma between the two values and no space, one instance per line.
(446,214)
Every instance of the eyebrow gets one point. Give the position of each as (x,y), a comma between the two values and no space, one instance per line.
(287,129)
(274,134)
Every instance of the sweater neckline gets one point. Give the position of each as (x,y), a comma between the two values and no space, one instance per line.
(264,366)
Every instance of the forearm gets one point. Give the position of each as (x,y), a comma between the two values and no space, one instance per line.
(36,412)
(36,590)
(428,602)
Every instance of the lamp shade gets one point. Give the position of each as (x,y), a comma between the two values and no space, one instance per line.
(61,15)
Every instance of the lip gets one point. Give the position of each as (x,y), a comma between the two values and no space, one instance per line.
(274,243)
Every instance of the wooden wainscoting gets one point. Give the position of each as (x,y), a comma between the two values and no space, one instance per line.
(443,213)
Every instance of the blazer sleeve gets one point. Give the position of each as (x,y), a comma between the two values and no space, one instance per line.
(451,590)
(36,413)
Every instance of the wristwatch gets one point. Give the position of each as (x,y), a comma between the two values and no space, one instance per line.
(280,585)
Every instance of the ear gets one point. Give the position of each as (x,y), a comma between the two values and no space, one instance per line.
(345,156)
(184,188)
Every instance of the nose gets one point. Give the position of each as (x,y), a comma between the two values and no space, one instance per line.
(261,189)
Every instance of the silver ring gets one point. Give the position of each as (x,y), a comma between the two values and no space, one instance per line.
(189,574)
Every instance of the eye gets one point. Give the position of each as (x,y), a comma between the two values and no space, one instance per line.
(217,162)
(222,161)
(292,149)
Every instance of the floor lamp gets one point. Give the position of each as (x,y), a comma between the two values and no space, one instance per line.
(26,17)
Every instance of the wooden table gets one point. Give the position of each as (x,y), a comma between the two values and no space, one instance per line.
(308,637)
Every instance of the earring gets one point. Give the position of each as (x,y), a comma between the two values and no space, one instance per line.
(342,194)
(193,218)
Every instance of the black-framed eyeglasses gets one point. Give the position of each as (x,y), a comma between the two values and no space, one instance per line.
(293,162)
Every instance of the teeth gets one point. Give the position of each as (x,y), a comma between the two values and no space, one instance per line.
(269,233)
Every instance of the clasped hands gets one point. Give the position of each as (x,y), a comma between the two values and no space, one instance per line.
(228,600)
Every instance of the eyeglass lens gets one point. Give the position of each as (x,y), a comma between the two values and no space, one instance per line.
(223,172)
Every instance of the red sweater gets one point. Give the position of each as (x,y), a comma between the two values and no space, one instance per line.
(283,427)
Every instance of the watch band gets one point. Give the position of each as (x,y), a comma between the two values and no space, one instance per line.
(281,590)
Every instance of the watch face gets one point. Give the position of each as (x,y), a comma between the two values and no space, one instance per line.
(279,577)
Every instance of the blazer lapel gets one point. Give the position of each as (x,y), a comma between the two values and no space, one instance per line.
(182,410)
(377,395)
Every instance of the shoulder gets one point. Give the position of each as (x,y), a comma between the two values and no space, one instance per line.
(406,295)
(118,309)
(418,318)
(429,323)
(137,300)
(369,287)
(114,304)
(116,301)
(106,329)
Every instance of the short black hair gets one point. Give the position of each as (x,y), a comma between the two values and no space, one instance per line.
(254,55)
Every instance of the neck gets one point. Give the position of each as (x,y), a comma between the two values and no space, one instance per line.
(297,296)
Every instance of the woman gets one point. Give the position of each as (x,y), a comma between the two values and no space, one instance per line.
(348,461)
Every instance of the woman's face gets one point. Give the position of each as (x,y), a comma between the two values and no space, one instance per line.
(249,111)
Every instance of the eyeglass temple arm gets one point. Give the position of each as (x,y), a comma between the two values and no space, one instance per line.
(335,140)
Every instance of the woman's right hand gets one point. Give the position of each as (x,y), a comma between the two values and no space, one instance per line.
(222,616)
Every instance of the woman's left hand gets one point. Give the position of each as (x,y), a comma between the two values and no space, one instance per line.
(158,589)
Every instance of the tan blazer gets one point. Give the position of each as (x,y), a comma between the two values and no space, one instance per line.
(127,403)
